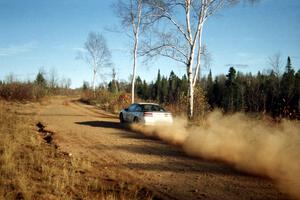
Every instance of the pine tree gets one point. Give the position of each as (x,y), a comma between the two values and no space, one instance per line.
(287,89)
(163,90)
(272,94)
(231,91)
(40,80)
(183,85)
(297,95)
(157,86)
(85,86)
(209,89)
(146,94)
(139,87)
(240,98)
(172,87)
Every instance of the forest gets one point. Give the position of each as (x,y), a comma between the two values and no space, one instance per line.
(277,95)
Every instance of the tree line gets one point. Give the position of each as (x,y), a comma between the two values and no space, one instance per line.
(269,93)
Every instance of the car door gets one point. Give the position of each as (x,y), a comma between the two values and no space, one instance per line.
(130,113)
(137,112)
(125,114)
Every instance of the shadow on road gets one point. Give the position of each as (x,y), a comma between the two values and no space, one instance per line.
(94,110)
(104,124)
(117,125)
(177,162)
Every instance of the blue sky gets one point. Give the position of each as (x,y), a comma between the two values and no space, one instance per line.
(47,34)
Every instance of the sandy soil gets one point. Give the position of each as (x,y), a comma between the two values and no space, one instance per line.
(118,153)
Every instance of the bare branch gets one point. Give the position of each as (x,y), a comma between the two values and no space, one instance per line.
(164,13)
(178,27)
(275,61)
(97,54)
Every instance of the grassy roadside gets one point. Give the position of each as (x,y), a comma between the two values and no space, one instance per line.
(32,169)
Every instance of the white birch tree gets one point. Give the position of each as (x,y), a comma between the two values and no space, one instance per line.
(276,63)
(133,17)
(53,78)
(97,54)
(179,34)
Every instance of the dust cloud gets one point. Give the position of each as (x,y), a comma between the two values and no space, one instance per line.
(248,144)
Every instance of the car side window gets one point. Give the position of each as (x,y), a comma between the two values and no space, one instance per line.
(146,108)
(156,108)
(138,108)
(132,108)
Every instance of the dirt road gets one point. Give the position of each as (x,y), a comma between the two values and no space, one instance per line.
(118,153)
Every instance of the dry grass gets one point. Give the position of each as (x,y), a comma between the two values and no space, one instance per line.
(33,169)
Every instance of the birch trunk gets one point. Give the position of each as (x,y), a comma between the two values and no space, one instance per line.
(191,85)
(136,29)
(134,69)
(190,93)
(93,82)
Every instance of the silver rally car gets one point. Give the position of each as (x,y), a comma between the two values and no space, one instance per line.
(145,113)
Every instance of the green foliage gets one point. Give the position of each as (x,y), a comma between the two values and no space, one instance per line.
(164,90)
(230,99)
(266,93)
(113,86)
(85,86)
(288,91)
(40,80)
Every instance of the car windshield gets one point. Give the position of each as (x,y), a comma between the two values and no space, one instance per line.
(152,108)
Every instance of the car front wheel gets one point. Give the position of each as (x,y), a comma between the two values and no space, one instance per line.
(136,120)
(121,118)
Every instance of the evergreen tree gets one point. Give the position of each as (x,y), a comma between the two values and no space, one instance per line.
(139,87)
(157,87)
(297,95)
(152,90)
(85,85)
(231,91)
(209,89)
(113,86)
(216,98)
(184,85)
(163,90)
(173,84)
(287,89)
(261,94)
(241,89)
(146,94)
(40,80)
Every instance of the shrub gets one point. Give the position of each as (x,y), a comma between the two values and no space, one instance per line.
(122,101)
(201,107)
(22,92)
(108,101)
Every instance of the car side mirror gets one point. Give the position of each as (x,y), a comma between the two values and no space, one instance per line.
(126,109)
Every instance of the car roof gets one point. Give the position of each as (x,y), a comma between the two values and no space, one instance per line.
(145,103)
